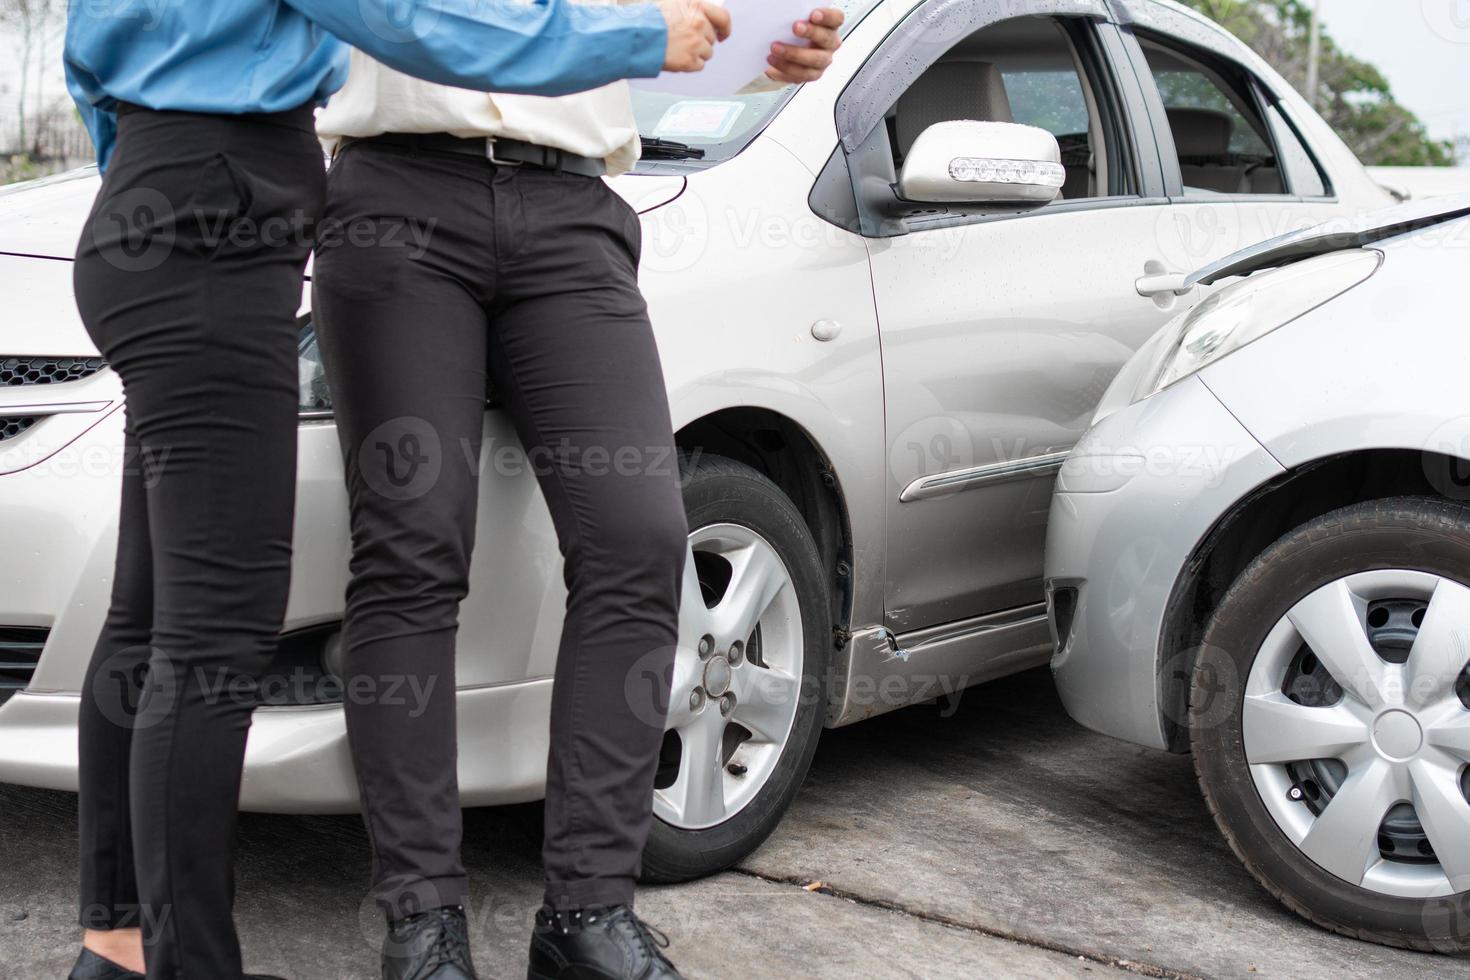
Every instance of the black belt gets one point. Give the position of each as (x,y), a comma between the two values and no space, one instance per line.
(505,152)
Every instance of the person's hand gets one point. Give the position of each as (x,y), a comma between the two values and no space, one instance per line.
(694,30)
(792,64)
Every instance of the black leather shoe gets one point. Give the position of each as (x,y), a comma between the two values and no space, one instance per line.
(600,944)
(90,966)
(432,945)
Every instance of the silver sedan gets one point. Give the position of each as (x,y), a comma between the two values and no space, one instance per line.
(1260,554)
(886,304)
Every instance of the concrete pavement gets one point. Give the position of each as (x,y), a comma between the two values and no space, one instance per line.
(1002,841)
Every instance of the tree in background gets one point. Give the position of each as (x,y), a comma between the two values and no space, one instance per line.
(1352,95)
(35,25)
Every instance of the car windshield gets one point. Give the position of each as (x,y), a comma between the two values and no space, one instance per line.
(709,130)
(702,130)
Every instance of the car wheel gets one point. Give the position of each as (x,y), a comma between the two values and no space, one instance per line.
(1330,721)
(748,701)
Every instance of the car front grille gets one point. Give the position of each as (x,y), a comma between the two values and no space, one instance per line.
(17,371)
(20,652)
(13,425)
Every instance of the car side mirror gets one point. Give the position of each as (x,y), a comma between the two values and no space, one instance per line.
(983,166)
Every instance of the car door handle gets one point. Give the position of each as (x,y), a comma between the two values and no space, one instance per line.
(1157,284)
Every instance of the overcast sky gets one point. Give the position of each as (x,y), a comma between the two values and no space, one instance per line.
(1423,46)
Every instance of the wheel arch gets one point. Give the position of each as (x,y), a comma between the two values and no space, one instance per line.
(1258,519)
(785,452)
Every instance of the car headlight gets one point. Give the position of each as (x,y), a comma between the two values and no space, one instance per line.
(1248,310)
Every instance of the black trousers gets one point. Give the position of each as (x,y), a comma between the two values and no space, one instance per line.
(526,279)
(188,278)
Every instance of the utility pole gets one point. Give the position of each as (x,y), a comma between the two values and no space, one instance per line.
(1314,53)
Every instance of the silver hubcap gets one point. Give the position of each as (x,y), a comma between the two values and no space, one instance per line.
(732,714)
(1399,731)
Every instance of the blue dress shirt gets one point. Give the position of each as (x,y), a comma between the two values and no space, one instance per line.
(236,56)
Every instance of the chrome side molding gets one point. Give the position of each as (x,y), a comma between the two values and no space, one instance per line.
(51,408)
(53,416)
(1006,471)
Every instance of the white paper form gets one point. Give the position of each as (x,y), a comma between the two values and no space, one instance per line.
(754,24)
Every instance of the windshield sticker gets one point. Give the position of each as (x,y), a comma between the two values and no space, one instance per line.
(702,120)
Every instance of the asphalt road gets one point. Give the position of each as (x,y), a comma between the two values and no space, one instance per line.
(1001,841)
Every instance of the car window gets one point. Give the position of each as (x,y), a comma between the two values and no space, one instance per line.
(1193,90)
(1052,100)
(1027,70)
(1304,176)
(1222,139)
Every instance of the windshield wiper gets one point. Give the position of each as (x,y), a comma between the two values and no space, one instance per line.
(657,149)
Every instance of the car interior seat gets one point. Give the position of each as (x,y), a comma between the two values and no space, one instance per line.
(1202,139)
(949,91)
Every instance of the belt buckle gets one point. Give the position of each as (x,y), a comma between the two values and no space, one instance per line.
(490,142)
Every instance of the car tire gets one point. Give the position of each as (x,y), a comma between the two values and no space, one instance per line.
(1351,563)
(729,503)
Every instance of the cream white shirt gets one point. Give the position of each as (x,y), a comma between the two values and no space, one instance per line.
(377,99)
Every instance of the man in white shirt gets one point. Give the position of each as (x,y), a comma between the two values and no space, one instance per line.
(528,284)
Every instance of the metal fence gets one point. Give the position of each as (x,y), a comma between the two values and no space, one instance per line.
(54,140)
